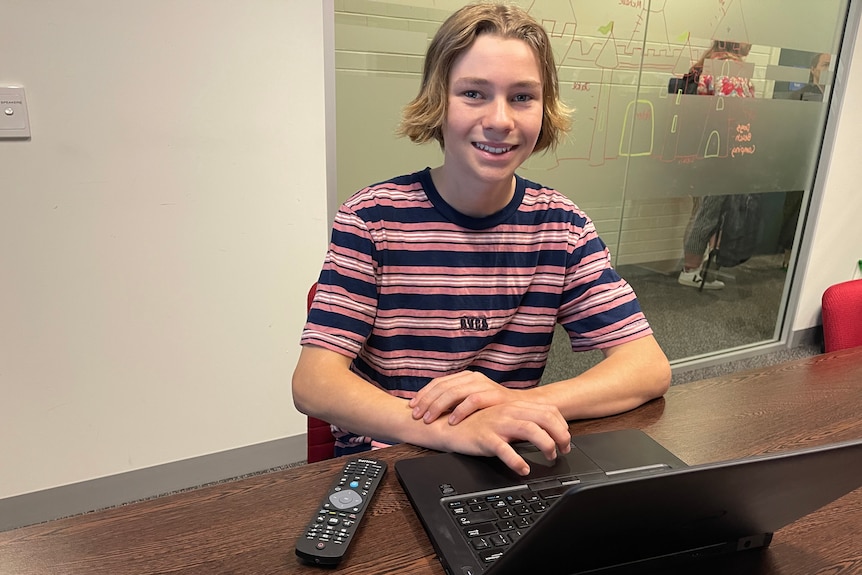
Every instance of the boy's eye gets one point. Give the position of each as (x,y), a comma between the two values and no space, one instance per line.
(472,94)
(522,98)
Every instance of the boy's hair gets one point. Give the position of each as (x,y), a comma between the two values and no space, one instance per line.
(423,118)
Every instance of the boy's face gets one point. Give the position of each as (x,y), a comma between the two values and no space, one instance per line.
(495,110)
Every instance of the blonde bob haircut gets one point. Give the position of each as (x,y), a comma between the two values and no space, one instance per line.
(422,119)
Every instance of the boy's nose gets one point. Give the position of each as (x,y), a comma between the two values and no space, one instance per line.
(499,115)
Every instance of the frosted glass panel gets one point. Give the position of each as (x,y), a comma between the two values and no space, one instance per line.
(639,159)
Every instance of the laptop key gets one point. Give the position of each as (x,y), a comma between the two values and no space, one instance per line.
(491,556)
(523,522)
(523,510)
(480,543)
(474,518)
(480,530)
(498,540)
(539,506)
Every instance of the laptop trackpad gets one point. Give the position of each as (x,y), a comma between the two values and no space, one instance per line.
(572,463)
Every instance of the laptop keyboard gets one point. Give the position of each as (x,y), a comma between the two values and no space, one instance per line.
(492,521)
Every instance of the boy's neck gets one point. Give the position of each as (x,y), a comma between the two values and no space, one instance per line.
(474,200)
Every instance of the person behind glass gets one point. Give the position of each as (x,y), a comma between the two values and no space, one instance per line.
(813,91)
(701,233)
(439,293)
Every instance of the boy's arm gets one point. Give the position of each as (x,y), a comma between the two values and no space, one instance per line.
(631,374)
(324,386)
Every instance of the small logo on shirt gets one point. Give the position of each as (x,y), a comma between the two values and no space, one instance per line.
(477,323)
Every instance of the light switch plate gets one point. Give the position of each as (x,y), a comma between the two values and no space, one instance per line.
(14,120)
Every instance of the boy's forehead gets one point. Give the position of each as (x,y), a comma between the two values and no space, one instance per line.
(487,47)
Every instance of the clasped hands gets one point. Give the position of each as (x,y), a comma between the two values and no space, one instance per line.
(485,418)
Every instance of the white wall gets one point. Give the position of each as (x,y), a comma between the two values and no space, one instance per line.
(159,231)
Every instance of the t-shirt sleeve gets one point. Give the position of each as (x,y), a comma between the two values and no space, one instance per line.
(599,309)
(345,304)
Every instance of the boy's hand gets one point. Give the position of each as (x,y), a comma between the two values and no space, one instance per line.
(462,394)
(492,430)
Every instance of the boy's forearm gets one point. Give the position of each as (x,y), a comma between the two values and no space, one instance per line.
(324,387)
(628,377)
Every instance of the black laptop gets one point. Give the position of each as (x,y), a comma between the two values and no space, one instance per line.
(619,502)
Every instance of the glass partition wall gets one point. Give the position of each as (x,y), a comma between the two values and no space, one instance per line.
(655,156)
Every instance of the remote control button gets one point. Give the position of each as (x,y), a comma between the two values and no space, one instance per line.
(345,499)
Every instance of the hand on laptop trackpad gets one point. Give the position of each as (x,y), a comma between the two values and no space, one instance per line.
(536,457)
(523,447)
(532,454)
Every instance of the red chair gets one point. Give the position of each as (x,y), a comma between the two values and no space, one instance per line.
(320,444)
(842,315)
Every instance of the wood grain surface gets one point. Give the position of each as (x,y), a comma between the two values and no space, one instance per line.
(249,526)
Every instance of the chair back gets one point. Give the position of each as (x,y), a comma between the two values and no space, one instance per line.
(842,315)
(320,443)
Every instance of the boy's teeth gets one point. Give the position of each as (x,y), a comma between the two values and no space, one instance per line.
(492,149)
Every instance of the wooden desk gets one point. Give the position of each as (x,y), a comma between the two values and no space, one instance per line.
(250,526)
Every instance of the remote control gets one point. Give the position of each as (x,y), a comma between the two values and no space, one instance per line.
(333,526)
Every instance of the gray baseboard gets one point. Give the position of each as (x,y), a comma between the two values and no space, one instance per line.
(813,336)
(758,357)
(94,494)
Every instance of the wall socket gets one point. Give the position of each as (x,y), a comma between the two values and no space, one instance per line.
(14,120)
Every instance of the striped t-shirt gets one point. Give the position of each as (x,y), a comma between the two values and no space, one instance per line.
(412,290)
